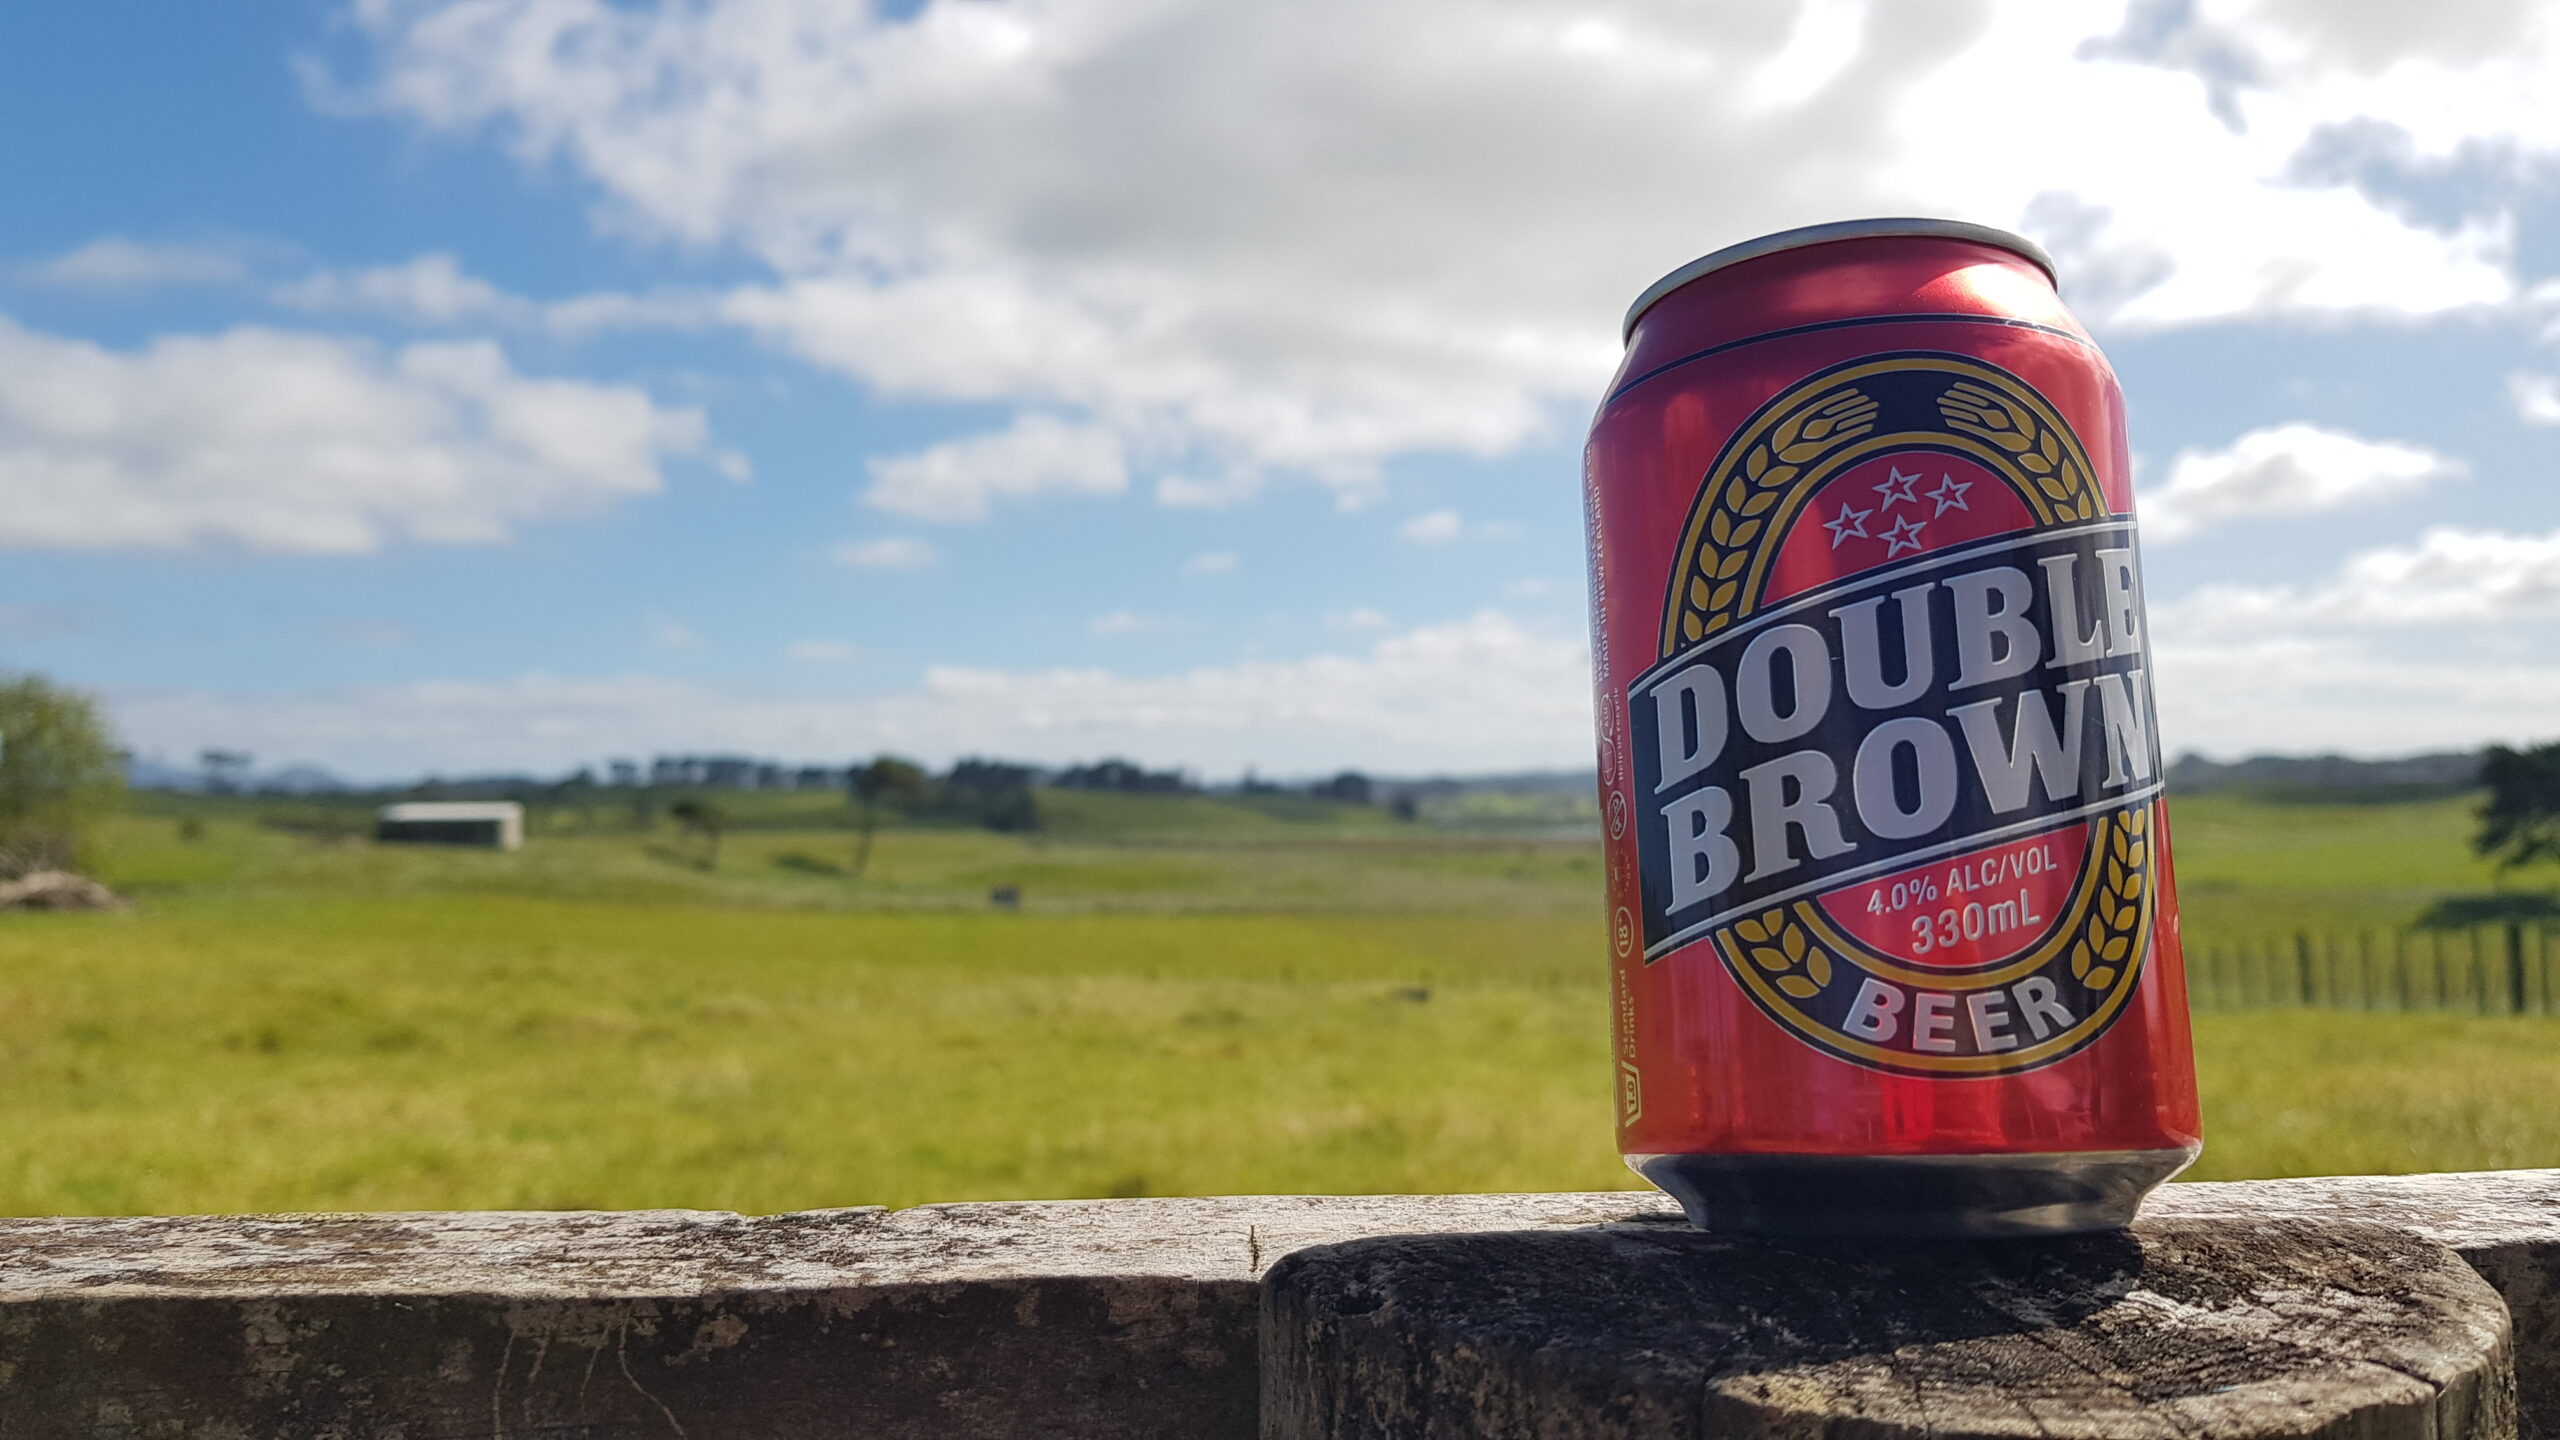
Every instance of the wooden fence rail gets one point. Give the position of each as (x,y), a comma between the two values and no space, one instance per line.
(2504,969)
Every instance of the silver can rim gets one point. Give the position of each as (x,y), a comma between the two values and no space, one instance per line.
(1803,235)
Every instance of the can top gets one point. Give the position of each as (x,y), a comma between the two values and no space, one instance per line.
(1804,235)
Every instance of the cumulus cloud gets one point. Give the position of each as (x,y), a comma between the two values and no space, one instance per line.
(434,289)
(2399,647)
(1399,226)
(1211,562)
(272,440)
(2446,576)
(431,288)
(115,263)
(1038,455)
(2292,469)
(894,552)
(1437,527)
(2536,398)
(1482,693)
(1445,527)
(1126,622)
(2295,694)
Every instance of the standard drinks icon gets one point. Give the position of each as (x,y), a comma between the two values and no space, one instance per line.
(1894,935)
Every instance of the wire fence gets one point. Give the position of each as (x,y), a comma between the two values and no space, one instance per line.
(2502,969)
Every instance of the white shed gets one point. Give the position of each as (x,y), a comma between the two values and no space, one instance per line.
(488,824)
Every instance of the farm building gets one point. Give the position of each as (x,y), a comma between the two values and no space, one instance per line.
(489,824)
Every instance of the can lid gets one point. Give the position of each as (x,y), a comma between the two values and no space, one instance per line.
(1802,236)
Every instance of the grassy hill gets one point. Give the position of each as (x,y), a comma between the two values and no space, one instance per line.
(1199,994)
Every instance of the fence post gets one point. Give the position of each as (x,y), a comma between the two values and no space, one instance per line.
(2366,990)
(2302,967)
(2444,980)
(2480,970)
(2401,982)
(2515,965)
(2543,954)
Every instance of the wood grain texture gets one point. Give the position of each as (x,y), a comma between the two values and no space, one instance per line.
(2177,1329)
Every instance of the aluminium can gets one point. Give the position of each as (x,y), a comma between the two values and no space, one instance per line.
(1895,934)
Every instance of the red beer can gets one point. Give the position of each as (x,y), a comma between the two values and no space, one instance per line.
(1896,943)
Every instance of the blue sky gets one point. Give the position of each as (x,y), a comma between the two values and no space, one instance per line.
(405,386)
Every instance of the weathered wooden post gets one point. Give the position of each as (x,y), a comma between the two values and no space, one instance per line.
(2233,1330)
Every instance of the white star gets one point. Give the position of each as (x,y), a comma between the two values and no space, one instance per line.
(1847,523)
(1897,488)
(1950,494)
(1905,535)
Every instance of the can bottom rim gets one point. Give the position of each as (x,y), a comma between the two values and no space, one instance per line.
(1955,1196)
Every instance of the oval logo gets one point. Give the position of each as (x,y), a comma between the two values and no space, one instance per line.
(1896,765)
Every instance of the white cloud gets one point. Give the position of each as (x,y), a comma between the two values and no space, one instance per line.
(895,552)
(2292,469)
(821,652)
(2399,648)
(1125,622)
(273,440)
(1038,455)
(2536,398)
(431,289)
(114,263)
(1439,527)
(1478,694)
(1194,492)
(2296,694)
(1358,618)
(2449,576)
(1409,225)
(1211,562)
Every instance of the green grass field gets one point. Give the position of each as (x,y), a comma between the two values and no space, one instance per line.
(1197,996)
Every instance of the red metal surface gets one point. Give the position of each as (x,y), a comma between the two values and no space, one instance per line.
(1704,1068)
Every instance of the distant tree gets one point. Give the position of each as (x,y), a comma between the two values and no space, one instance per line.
(225,770)
(887,780)
(578,792)
(696,816)
(2521,821)
(992,793)
(1350,788)
(60,773)
(1126,775)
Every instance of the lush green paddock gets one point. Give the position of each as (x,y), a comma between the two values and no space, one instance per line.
(1237,1002)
